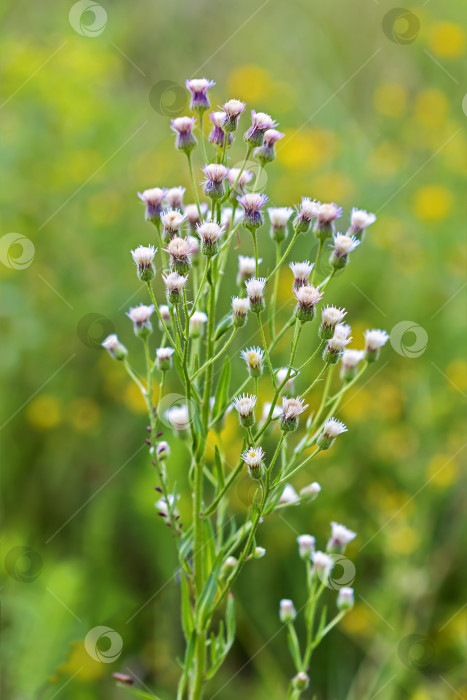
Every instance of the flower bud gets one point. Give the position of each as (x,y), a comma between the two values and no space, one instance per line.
(251,204)
(255,292)
(253,458)
(308,211)
(307,297)
(259,553)
(162,450)
(245,407)
(183,127)
(335,346)
(143,257)
(260,123)
(301,681)
(179,251)
(345,599)
(306,546)
(209,233)
(179,418)
(240,308)
(350,360)
(233,109)
(254,360)
(289,496)
(114,347)
(199,94)
(213,186)
(340,537)
(322,564)
(265,153)
(279,217)
(324,226)
(374,340)
(217,136)
(174,284)
(331,429)
(311,491)
(174,197)
(238,182)
(164,358)
(246,268)
(287,612)
(291,409)
(301,272)
(228,567)
(343,246)
(330,316)
(197,322)
(172,222)
(153,199)
(140,316)
(359,221)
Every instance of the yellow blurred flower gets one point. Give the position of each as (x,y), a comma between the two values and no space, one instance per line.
(80,665)
(447,40)
(420,694)
(84,413)
(358,404)
(308,149)
(431,107)
(134,399)
(359,621)
(250,83)
(457,373)
(432,202)
(403,540)
(45,411)
(390,99)
(386,159)
(442,470)
(333,187)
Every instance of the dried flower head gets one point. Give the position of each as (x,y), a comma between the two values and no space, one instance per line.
(260,123)
(254,360)
(240,308)
(174,284)
(180,251)
(197,323)
(331,429)
(245,407)
(140,315)
(164,358)
(183,127)
(233,109)
(307,297)
(251,204)
(255,293)
(209,233)
(199,93)
(114,347)
(153,199)
(308,211)
(291,409)
(301,272)
(144,259)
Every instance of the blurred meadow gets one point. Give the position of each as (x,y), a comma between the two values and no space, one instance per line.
(373,103)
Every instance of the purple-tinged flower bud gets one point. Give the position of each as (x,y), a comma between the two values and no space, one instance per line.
(331,316)
(279,217)
(233,109)
(343,246)
(199,93)
(287,612)
(213,186)
(301,272)
(374,340)
(340,538)
(197,323)
(331,429)
(251,204)
(144,257)
(174,284)
(218,135)
(174,197)
(163,506)
(240,308)
(192,214)
(140,316)
(327,214)
(306,545)
(359,221)
(291,409)
(253,458)
(179,251)
(345,599)
(183,127)
(162,450)
(172,222)
(164,358)
(335,346)
(246,268)
(307,297)
(311,491)
(255,293)
(245,407)
(114,347)
(301,681)
(153,199)
(166,317)
(308,211)
(350,360)
(209,233)
(240,180)
(322,565)
(260,123)
(289,497)
(123,678)
(254,360)
(265,153)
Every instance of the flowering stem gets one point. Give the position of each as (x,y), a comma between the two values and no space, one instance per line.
(232,189)
(266,352)
(272,303)
(326,281)
(318,258)
(161,320)
(289,474)
(255,248)
(195,190)
(135,378)
(278,265)
(283,330)
(258,175)
(310,359)
(316,380)
(210,510)
(209,344)
(203,143)
(201,287)
(347,386)
(216,357)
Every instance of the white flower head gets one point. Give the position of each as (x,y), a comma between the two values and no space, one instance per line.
(165,312)
(301,272)
(344,244)
(287,612)
(340,537)
(281,375)
(172,221)
(164,353)
(143,255)
(343,329)
(279,216)
(350,358)
(309,208)
(240,306)
(253,458)
(276,412)
(331,316)
(233,108)
(114,347)
(245,407)
(360,219)
(345,598)
(178,248)
(292,408)
(375,339)
(141,314)
(322,564)
(154,196)
(246,176)
(246,267)
(289,496)
(197,322)
(255,291)
(179,417)
(306,545)
(337,343)
(209,232)
(327,213)
(331,429)
(192,214)
(307,297)
(174,282)
(254,360)
(226,217)
(174,197)
(262,121)
(215,172)
(310,491)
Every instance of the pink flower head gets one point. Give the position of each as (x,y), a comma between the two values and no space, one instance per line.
(183,127)
(214,184)
(217,135)
(199,93)
(153,199)
(233,109)
(260,123)
(251,204)
(272,136)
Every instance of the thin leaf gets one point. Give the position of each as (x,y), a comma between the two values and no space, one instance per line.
(219,469)
(222,391)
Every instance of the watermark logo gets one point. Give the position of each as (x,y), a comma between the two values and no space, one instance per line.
(416,651)
(341,575)
(401,26)
(16,251)
(23,564)
(93,328)
(176,411)
(409,339)
(103,644)
(88,18)
(168,98)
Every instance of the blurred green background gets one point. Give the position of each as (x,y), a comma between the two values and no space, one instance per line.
(373,105)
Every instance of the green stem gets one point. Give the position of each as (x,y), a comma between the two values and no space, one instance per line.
(161,320)
(195,190)
(232,189)
(318,258)
(216,357)
(203,142)
(272,303)
(266,351)
(278,265)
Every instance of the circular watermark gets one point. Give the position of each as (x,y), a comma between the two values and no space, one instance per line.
(93,328)
(23,564)
(88,18)
(401,26)
(168,98)
(409,339)
(103,644)
(259,181)
(416,651)
(342,573)
(175,411)
(16,251)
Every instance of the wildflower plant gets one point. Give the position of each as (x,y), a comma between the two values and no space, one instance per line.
(186,336)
